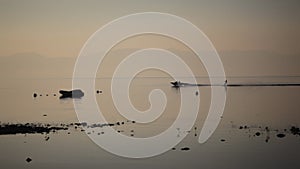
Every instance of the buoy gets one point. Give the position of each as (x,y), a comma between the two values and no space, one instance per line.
(28,160)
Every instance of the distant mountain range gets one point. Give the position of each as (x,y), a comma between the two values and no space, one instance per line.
(236,63)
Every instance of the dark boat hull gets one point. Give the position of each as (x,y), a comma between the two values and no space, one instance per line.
(71,94)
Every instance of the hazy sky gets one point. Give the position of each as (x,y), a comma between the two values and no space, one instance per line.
(60,28)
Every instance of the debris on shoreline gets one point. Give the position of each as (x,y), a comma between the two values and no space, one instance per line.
(28,128)
(40,128)
(257,131)
(295,130)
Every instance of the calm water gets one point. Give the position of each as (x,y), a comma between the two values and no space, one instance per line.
(276,108)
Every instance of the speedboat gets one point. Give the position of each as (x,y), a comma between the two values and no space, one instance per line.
(177,84)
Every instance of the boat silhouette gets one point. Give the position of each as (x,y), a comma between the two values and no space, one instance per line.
(77,93)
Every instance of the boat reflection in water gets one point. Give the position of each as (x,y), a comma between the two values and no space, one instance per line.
(71,94)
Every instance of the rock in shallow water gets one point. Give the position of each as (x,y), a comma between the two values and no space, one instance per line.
(295,130)
(185,148)
(280,135)
(28,159)
(257,133)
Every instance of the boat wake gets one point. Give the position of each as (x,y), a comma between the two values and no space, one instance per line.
(225,84)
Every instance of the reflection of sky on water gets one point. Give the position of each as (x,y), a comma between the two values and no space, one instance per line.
(233,145)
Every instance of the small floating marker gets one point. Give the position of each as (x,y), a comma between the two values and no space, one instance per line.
(173,148)
(54,94)
(222,140)
(28,159)
(197,93)
(41,95)
(99,91)
(47,138)
(35,95)
(132,133)
(47,95)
